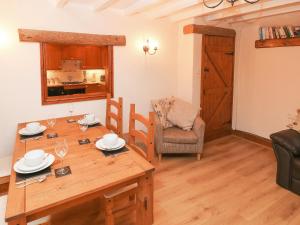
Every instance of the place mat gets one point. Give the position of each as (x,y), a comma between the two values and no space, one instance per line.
(84,141)
(95,125)
(21,177)
(116,152)
(52,135)
(57,174)
(23,137)
(71,121)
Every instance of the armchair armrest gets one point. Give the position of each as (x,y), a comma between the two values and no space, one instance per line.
(288,139)
(199,127)
(158,135)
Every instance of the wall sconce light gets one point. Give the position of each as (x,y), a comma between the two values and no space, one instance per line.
(150,48)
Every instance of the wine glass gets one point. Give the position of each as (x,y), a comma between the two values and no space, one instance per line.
(51,122)
(71,109)
(83,127)
(61,150)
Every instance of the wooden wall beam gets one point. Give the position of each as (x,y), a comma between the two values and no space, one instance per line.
(273,43)
(209,30)
(70,38)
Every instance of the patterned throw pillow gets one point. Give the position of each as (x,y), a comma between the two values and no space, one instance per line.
(162,107)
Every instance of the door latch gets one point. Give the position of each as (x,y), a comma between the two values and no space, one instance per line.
(229,53)
(146,203)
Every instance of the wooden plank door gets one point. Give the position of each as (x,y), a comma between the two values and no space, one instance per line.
(217,85)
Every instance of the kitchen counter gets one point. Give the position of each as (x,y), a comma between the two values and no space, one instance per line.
(75,84)
(76,88)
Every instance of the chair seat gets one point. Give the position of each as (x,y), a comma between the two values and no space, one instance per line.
(5,166)
(179,136)
(115,193)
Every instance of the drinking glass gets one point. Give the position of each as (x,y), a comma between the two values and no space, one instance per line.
(83,127)
(71,109)
(51,122)
(61,150)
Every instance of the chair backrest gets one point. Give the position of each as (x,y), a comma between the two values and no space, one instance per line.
(146,138)
(111,115)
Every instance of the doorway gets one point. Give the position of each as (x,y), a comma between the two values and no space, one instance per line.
(217,85)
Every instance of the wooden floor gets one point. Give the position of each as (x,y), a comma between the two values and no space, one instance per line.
(234,183)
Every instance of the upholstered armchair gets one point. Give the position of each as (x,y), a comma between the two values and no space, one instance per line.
(176,140)
(286,146)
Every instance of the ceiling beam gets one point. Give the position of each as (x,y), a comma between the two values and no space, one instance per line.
(258,7)
(171,7)
(103,4)
(139,6)
(61,3)
(267,13)
(201,10)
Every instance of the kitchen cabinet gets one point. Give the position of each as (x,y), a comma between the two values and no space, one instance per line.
(73,52)
(53,56)
(91,57)
(104,56)
(92,88)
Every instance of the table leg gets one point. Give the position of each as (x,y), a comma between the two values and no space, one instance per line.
(145,200)
(19,221)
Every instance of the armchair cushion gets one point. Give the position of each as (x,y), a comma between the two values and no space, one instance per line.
(182,114)
(179,136)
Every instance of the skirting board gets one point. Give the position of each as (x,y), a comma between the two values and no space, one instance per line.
(253,137)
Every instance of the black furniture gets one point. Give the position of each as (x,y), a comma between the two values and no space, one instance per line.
(286,146)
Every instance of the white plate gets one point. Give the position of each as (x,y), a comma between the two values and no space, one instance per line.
(50,159)
(100,145)
(21,165)
(83,122)
(24,131)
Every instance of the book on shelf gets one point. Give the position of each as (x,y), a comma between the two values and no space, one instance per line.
(279,32)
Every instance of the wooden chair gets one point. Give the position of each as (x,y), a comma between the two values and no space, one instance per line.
(145,143)
(3,201)
(117,117)
(146,150)
(5,168)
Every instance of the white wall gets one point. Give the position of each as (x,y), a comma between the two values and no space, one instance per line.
(138,79)
(267,81)
(189,64)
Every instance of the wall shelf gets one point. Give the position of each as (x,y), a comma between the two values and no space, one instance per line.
(274,43)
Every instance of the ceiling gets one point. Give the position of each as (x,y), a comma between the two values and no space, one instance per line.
(178,10)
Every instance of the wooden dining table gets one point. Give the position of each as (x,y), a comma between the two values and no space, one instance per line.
(92,175)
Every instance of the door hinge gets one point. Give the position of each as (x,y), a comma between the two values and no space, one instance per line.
(146,203)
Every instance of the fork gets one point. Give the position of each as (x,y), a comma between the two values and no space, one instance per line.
(36,180)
